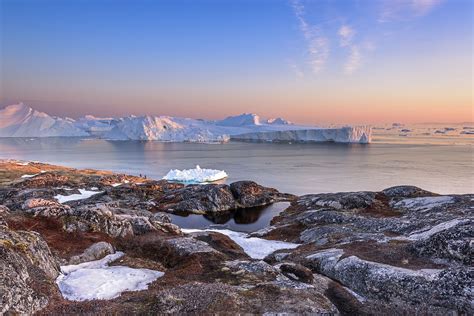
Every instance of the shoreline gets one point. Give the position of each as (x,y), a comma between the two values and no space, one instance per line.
(401,244)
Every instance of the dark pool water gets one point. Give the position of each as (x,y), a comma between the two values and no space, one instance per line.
(245,220)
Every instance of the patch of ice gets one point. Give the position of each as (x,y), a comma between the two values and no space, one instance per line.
(256,248)
(424,203)
(84,194)
(29,175)
(196,175)
(26,163)
(96,280)
(435,229)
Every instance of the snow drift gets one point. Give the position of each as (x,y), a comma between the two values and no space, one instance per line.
(96,280)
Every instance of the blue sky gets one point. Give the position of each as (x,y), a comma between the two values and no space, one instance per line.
(310,61)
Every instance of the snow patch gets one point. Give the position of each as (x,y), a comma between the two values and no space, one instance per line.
(196,175)
(256,248)
(85,194)
(96,280)
(29,175)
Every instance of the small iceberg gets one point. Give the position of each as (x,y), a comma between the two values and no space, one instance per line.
(196,175)
(96,280)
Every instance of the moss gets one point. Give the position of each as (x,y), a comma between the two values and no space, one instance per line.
(21,246)
(6,243)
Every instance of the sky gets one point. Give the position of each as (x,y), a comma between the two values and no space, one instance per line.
(321,61)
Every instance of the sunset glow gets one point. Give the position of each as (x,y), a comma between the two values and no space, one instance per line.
(308,61)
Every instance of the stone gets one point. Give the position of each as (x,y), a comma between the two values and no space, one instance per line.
(95,252)
(27,272)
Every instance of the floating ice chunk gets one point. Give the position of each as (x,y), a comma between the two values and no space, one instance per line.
(256,248)
(424,203)
(73,197)
(196,175)
(96,280)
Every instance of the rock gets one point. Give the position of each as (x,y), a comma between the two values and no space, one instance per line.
(389,283)
(95,252)
(97,219)
(45,180)
(251,194)
(218,198)
(186,246)
(297,272)
(140,224)
(221,243)
(453,243)
(406,191)
(344,200)
(28,270)
(253,271)
(161,217)
(198,199)
(45,208)
(4,212)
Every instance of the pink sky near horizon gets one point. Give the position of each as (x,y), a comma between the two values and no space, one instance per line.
(311,62)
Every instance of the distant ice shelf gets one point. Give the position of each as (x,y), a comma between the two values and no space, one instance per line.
(19,120)
(197,175)
(348,134)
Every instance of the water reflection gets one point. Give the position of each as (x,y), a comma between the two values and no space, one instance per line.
(245,220)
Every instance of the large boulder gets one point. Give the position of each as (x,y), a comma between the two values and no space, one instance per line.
(45,208)
(27,272)
(218,198)
(198,199)
(251,194)
(94,252)
(97,218)
(448,289)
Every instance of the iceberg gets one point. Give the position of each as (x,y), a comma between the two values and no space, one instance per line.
(196,175)
(358,134)
(19,120)
(96,280)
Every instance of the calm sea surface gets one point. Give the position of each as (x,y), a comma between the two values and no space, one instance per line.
(292,168)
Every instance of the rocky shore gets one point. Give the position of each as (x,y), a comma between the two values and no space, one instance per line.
(87,241)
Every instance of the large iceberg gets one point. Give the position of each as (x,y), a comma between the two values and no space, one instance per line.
(348,134)
(19,120)
(22,121)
